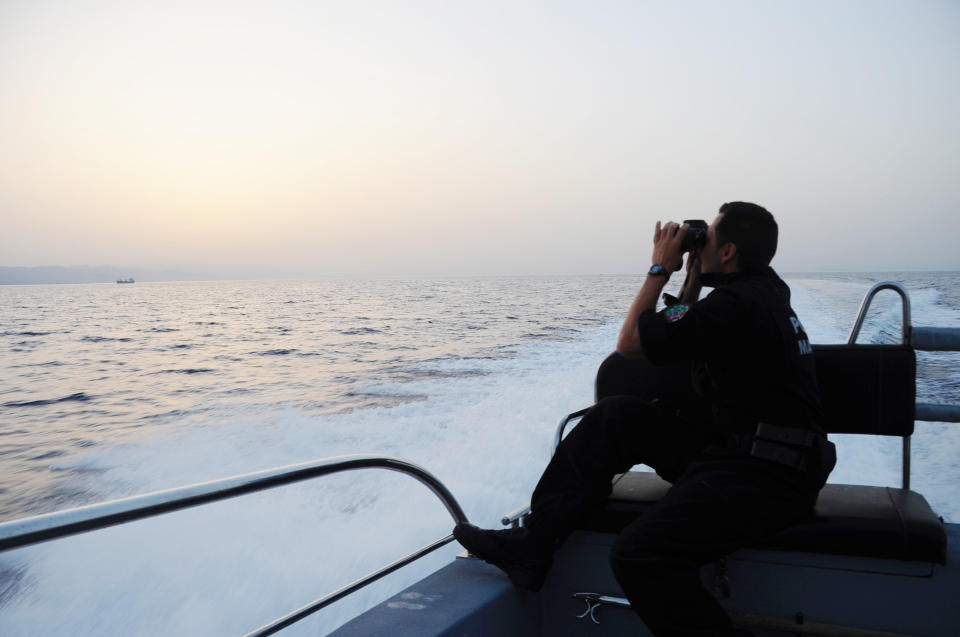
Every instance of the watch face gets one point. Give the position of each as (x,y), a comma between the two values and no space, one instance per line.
(657,269)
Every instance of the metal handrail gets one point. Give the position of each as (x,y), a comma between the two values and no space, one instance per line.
(51,526)
(865,305)
(905,327)
(921,338)
(318,604)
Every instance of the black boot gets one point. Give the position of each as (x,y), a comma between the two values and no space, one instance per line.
(524,558)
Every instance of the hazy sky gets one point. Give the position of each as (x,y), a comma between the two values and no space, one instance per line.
(449,138)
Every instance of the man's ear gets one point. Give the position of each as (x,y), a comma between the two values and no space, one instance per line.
(727,253)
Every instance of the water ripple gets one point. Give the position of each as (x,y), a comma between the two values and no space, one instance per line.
(27,333)
(79,397)
(361,330)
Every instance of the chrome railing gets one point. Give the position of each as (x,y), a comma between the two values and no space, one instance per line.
(939,339)
(865,305)
(51,526)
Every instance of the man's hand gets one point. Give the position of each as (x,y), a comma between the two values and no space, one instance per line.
(666,245)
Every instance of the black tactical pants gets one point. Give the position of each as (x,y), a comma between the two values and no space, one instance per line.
(722,500)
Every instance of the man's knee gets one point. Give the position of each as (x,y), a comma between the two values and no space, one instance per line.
(617,413)
(620,431)
(632,551)
(645,574)
(641,564)
(649,546)
(604,421)
(616,404)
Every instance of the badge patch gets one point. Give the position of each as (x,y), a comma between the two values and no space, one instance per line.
(676,312)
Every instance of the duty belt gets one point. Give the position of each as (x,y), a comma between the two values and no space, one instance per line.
(789,446)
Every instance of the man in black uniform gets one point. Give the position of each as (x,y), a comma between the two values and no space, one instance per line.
(752,466)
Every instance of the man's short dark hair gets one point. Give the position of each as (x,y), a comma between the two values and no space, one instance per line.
(752,229)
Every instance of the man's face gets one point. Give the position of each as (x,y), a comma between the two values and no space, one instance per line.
(710,256)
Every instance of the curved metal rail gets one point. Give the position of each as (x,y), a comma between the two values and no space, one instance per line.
(905,329)
(97,516)
(938,339)
(865,305)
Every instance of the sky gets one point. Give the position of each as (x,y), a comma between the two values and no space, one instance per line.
(473,138)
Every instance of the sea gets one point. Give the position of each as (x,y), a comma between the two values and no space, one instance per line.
(110,390)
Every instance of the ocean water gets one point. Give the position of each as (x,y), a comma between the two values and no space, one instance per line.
(114,390)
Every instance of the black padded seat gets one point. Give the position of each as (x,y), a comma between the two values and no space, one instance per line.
(848,520)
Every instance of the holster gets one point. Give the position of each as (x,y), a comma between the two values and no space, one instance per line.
(788,446)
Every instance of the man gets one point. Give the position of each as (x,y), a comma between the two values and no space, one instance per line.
(750,467)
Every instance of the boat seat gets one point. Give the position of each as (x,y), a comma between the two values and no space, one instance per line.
(865,389)
(847,520)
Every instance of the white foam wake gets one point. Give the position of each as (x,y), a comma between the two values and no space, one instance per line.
(227,568)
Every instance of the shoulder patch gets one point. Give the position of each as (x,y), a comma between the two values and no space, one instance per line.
(676,312)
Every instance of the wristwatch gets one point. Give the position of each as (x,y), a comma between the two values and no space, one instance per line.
(658,270)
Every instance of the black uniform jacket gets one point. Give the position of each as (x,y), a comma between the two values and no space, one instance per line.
(751,357)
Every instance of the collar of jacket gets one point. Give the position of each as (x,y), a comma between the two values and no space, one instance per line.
(719,279)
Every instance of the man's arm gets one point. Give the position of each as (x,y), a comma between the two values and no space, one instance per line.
(629,342)
(666,251)
(690,292)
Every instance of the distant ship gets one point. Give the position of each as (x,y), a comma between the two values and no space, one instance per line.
(130,280)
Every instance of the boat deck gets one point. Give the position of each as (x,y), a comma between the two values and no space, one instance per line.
(830,594)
